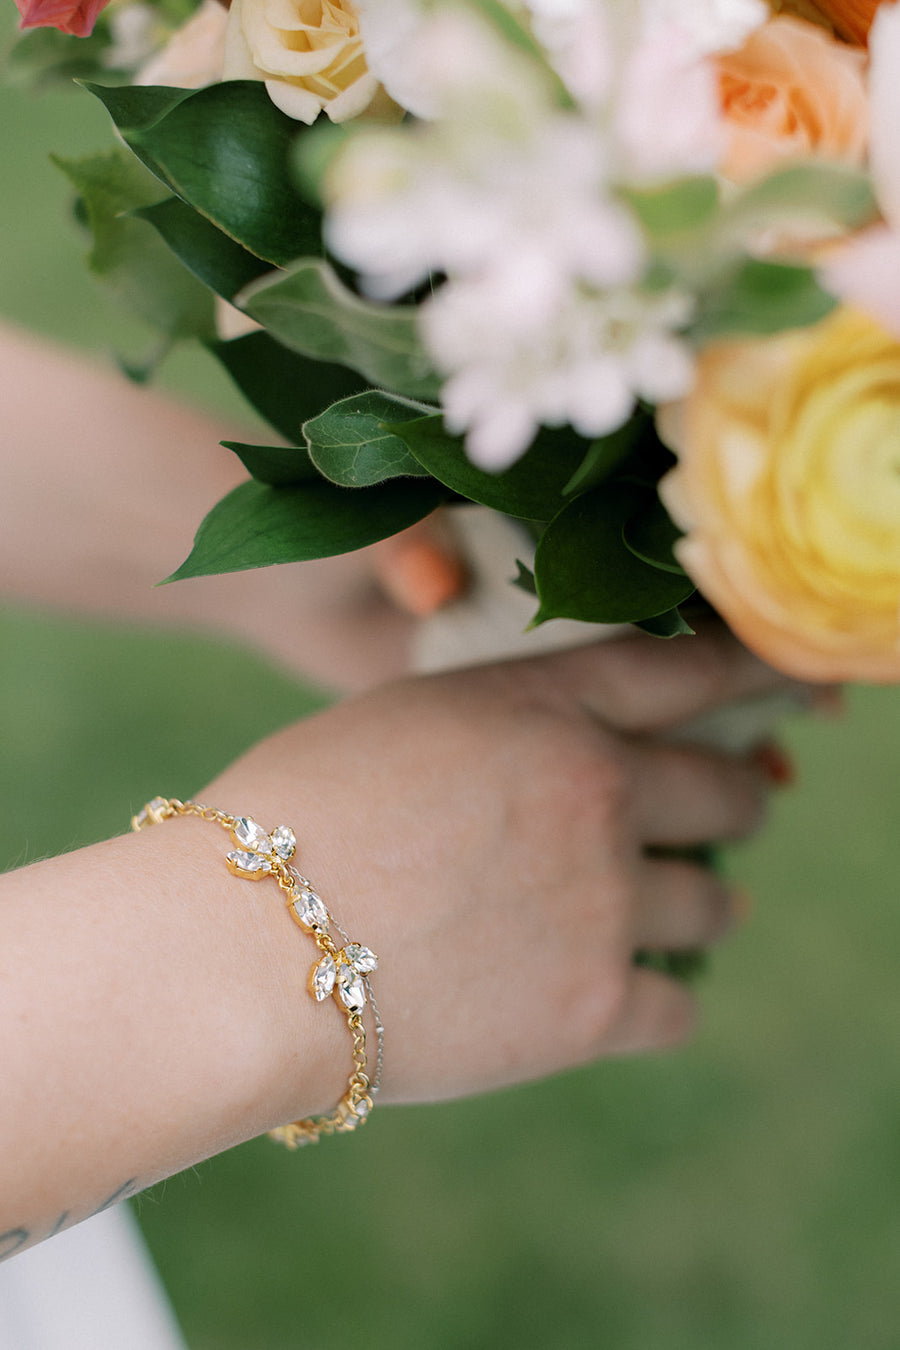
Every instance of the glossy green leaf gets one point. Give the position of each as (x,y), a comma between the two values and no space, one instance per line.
(651,534)
(257,525)
(226,151)
(127,253)
(524,578)
(284,387)
(532,488)
(605,454)
(214,259)
(277,465)
(350,444)
(669,625)
(584,570)
(310,310)
(759,298)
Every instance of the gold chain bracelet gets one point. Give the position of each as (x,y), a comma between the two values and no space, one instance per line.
(342,972)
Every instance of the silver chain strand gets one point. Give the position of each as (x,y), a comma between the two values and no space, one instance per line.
(376,1015)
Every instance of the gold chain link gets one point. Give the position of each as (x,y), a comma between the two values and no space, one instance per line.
(356,1103)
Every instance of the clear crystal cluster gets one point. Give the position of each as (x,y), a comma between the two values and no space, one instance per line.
(344,975)
(258,850)
(149,812)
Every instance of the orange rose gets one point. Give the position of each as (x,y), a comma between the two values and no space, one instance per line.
(788,488)
(792,90)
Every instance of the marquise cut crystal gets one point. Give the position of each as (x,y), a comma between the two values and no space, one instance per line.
(322,977)
(310,909)
(249,862)
(362,959)
(248,834)
(284,841)
(351,989)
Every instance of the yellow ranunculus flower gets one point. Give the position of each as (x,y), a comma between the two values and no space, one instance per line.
(788,488)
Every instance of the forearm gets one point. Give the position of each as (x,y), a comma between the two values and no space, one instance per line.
(484,832)
(104,485)
(173,1021)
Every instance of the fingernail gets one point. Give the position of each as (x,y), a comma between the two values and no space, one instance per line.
(421,577)
(740,906)
(830,701)
(776,764)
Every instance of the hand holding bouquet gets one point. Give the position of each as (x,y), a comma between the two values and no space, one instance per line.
(628,273)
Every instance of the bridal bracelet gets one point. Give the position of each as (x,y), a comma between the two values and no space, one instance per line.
(341,972)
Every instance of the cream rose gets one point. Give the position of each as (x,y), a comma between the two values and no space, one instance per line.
(792,90)
(788,488)
(308,52)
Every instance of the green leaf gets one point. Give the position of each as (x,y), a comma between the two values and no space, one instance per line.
(688,204)
(138,107)
(256,525)
(214,259)
(226,151)
(651,535)
(606,454)
(127,254)
(531,489)
(817,193)
(350,444)
(277,465)
(761,298)
(524,578)
(284,387)
(310,310)
(668,625)
(584,570)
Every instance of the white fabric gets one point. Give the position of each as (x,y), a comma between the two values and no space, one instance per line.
(489,623)
(92,1287)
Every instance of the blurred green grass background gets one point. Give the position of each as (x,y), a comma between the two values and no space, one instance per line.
(741,1195)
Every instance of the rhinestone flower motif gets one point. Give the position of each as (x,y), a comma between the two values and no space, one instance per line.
(257,851)
(343,975)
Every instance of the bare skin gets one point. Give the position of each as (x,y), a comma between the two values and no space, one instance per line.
(485,832)
(104,485)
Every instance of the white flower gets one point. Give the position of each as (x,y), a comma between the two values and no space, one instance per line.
(516,362)
(134,31)
(444,200)
(866,270)
(708,25)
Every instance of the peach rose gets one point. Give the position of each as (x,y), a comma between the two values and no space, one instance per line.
(77,18)
(792,90)
(309,52)
(788,488)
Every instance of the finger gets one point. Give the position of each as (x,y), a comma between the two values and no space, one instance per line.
(682,795)
(640,684)
(420,570)
(680,906)
(657,1012)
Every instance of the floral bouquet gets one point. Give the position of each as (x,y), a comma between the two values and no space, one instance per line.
(625,271)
